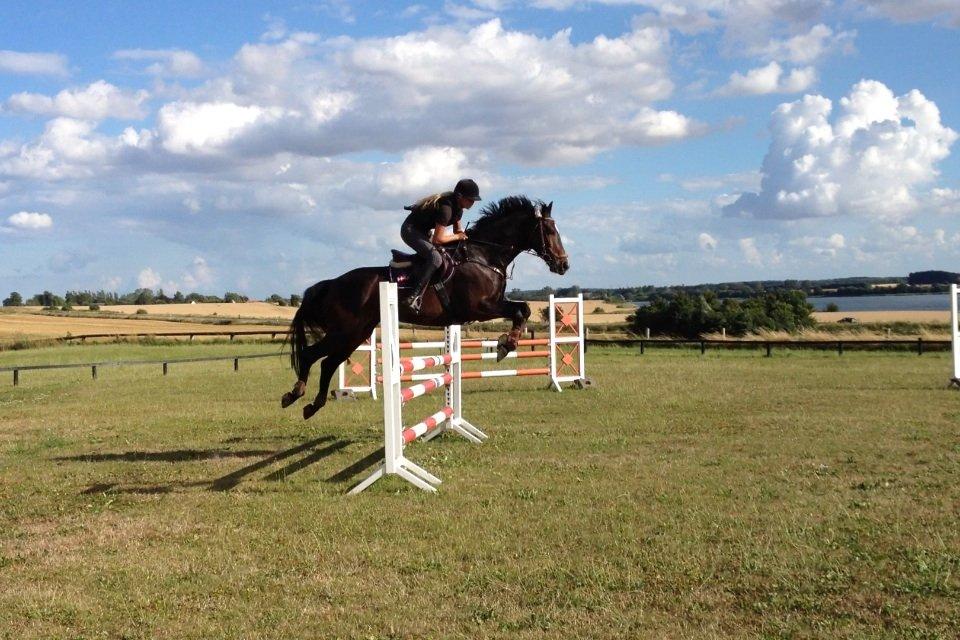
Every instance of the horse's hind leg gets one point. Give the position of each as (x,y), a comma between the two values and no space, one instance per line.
(310,355)
(327,368)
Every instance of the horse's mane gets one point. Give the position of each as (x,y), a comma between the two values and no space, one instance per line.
(510,208)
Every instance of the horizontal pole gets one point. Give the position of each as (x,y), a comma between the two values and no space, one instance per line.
(427,386)
(426,425)
(505,373)
(424,362)
(513,354)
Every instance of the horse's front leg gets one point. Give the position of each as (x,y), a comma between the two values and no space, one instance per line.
(518,312)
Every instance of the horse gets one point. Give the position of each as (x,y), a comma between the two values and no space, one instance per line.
(339,314)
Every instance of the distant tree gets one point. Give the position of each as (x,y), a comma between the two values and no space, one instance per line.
(832,307)
(46,299)
(161,297)
(143,296)
(295,300)
(692,316)
(15,300)
(230,296)
(278,300)
(178,297)
(933,277)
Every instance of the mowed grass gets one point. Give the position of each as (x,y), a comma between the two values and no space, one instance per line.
(805,495)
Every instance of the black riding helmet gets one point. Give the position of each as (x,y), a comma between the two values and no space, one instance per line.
(467,188)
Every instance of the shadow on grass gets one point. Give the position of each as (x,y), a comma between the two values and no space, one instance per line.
(223,483)
(181,455)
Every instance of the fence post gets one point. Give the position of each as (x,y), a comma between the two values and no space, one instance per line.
(769,349)
(236,364)
(164,368)
(93,371)
(919,346)
(642,345)
(703,347)
(16,377)
(839,348)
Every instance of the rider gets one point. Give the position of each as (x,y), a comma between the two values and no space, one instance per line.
(435,213)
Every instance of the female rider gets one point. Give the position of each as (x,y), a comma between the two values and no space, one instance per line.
(434,214)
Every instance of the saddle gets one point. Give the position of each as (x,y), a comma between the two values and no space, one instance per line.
(401,267)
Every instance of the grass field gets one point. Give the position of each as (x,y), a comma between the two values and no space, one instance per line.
(800,496)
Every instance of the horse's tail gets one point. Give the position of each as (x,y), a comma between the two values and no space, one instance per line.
(307,319)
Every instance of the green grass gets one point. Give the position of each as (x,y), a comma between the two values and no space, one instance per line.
(800,496)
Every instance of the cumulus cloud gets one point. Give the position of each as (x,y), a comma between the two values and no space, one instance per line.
(165,62)
(198,275)
(769,79)
(707,242)
(871,160)
(41,64)
(30,221)
(67,148)
(148,278)
(97,101)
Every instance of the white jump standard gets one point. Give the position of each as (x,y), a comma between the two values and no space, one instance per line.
(955,335)
(565,355)
(394,396)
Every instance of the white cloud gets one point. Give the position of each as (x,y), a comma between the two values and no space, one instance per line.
(707,242)
(43,64)
(943,11)
(880,150)
(806,48)
(97,101)
(199,275)
(30,221)
(148,278)
(165,62)
(67,148)
(769,79)
(191,128)
(821,246)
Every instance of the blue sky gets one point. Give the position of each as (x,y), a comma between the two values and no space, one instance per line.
(261,146)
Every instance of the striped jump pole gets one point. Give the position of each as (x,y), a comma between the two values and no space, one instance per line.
(955,335)
(450,416)
(565,353)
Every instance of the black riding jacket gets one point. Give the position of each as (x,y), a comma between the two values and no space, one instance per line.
(441,208)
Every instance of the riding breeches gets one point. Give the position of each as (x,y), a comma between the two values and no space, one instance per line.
(420,243)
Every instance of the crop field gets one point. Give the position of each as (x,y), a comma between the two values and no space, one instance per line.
(729,495)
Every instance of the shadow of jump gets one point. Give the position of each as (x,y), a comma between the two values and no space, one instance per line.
(223,483)
(181,455)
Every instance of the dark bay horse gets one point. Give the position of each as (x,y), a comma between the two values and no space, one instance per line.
(339,314)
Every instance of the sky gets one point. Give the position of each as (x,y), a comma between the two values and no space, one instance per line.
(258,147)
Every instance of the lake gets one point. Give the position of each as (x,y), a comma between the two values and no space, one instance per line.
(895,302)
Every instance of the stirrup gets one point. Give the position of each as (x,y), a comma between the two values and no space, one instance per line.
(414,302)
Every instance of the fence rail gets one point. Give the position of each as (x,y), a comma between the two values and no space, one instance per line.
(94,366)
(919,344)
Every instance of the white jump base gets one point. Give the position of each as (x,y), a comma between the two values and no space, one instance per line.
(565,354)
(955,335)
(450,415)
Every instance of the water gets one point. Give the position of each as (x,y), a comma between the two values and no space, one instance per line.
(894,302)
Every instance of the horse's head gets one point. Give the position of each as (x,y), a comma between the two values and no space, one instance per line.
(545,240)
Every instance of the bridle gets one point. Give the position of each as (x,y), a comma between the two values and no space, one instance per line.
(542,252)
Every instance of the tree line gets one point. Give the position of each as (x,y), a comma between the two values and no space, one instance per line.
(140,296)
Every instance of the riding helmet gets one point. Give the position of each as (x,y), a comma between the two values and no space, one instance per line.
(468,189)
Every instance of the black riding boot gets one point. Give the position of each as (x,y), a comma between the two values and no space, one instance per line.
(418,287)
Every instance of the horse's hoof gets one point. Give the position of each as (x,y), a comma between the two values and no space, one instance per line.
(504,346)
(308,411)
(288,399)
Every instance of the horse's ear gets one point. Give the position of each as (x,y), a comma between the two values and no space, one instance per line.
(547,209)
